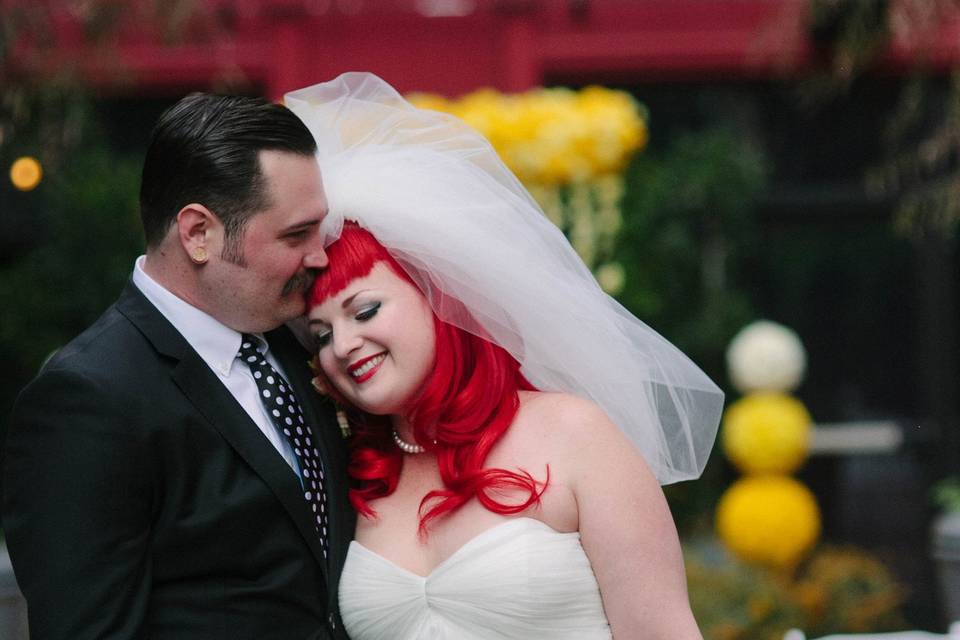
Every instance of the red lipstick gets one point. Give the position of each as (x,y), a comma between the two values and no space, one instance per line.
(365,367)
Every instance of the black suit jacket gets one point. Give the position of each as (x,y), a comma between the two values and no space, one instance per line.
(141,501)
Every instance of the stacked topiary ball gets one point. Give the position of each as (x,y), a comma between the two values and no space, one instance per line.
(767,517)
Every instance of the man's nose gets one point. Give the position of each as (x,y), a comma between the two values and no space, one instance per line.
(316,257)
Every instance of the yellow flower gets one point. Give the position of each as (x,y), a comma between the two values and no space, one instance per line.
(848,590)
(553,136)
(766,433)
(768,520)
(430,101)
(611,277)
(26,173)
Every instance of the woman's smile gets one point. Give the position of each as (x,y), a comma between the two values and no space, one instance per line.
(363,370)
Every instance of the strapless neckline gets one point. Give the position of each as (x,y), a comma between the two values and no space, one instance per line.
(517,580)
(465,547)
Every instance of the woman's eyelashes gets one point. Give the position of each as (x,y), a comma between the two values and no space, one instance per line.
(364,313)
(323,338)
(367,311)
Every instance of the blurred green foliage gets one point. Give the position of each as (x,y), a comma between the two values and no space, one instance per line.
(689,225)
(83,253)
(946,494)
(837,590)
(72,240)
(736,601)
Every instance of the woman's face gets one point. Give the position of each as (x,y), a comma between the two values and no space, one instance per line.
(376,341)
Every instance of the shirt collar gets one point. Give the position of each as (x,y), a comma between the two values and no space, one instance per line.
(215,343)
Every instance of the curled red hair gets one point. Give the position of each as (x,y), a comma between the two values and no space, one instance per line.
(466,404)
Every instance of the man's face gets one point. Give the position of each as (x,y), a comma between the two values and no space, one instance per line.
(280,250)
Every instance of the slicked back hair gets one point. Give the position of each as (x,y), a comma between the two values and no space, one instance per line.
(205,150)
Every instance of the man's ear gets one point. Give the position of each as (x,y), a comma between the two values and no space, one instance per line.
(195,227)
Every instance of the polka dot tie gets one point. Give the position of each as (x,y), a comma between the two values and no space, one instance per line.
(279,401)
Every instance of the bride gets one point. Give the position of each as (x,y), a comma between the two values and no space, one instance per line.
(511,424)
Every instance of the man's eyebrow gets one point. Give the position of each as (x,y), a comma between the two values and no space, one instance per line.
(306,224)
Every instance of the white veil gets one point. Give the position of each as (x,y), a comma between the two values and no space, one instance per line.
(436,195)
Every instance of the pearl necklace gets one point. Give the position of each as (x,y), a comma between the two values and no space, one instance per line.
(406,447)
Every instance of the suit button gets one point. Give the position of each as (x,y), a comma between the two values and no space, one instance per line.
(332,620)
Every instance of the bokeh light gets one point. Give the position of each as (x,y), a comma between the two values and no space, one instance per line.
(26,173)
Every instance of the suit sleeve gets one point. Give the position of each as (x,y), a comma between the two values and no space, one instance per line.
(77,502)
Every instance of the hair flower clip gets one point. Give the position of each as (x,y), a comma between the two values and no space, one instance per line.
(320,386)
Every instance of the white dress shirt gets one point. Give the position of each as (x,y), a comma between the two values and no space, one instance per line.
(217,345)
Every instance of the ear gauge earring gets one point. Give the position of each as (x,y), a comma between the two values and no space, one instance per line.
(199,255)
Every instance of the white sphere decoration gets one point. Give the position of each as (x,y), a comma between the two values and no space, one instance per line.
(766,356)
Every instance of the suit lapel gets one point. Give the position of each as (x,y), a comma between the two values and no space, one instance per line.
(212,400)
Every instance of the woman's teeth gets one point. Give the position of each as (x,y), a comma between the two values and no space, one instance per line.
(367,366)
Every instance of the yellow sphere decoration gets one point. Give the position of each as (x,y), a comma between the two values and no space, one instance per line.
(769,520)
(26,173)
(766,433)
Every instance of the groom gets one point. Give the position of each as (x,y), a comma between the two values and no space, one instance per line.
(156,485)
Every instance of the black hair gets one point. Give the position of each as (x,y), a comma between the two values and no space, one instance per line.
(205,149)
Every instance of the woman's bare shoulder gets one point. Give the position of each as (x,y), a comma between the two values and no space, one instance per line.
(564,417)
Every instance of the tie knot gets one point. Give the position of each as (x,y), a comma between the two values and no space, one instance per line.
(249,348)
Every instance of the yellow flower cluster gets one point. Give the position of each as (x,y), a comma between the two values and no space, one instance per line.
(766,433)
(732,600)
(768,519)
(569,148)
(553,136)
(834,591)
(844,589)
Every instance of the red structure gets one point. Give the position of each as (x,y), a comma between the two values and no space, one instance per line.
(448,46)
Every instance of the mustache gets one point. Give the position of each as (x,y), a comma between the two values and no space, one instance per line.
(300,282)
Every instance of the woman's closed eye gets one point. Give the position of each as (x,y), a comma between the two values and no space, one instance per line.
(323,337)
(367,311)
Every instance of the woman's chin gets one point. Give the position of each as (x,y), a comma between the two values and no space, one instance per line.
(378,406)
(376,397)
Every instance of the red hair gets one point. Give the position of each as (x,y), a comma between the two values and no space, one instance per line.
(466,404)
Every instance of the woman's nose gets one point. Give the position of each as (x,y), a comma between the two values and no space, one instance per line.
(346,342)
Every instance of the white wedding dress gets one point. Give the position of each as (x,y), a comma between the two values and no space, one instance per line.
(520,579)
